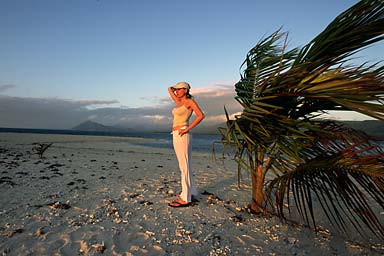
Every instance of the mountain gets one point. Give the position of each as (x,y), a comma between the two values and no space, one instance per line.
(372,127)
(208,129)
(91,126)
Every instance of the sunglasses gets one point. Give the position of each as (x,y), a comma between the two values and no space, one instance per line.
(179,89)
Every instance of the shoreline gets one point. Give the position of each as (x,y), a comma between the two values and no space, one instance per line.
(92,194)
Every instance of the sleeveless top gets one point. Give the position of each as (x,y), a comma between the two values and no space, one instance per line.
(181,116)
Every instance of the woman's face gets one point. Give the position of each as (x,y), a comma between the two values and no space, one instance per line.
(180,92)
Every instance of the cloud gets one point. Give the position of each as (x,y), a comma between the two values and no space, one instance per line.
(92,103)
(213,100)
(56,113)
(50,113)
(346,115)
(6,87)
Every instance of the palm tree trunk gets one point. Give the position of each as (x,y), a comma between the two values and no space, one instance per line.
(257,191)
(257,178)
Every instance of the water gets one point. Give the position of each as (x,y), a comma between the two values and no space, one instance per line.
(200,142)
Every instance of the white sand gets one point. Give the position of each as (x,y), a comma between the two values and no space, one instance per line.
(117,194)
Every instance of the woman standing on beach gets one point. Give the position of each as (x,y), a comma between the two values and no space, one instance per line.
(185,106)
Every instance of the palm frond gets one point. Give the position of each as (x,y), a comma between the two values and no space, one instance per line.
(345,191)
(351,31)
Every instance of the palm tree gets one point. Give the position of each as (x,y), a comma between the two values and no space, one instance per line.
(294,154)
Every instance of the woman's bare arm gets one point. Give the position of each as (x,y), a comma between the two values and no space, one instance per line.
(172,94)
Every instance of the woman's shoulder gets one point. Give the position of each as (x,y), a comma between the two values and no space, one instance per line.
(189,102)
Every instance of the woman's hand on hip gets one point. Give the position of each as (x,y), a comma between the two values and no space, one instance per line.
(183,131)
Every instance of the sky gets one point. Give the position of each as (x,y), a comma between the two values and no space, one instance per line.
(63,62)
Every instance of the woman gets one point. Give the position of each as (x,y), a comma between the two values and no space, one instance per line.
(182,112)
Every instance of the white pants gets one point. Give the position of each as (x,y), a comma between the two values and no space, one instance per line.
(182,147)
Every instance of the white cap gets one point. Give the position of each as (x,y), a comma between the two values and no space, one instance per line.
(180,85)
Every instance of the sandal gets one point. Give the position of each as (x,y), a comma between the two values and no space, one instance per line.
(193,198)
(179,203)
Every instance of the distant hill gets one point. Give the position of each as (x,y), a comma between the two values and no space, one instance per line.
(371,127)
(374,128)
(91,126)
(206,129)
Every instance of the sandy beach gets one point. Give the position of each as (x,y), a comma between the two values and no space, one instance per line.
(93,195)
